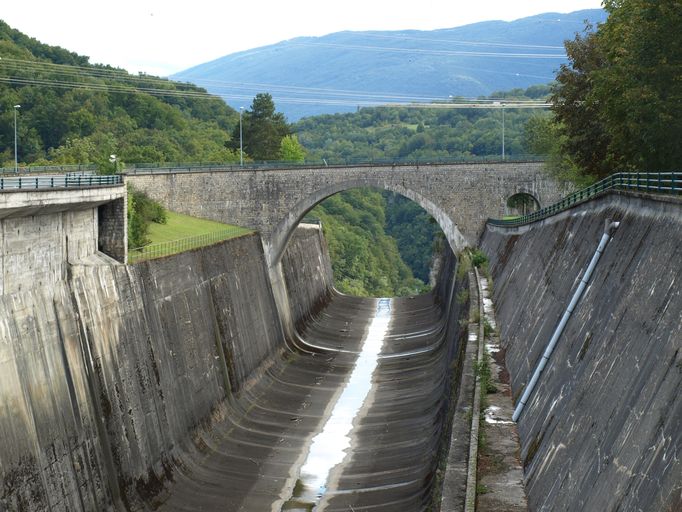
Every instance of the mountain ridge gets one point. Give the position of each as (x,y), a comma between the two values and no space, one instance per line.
(342,71)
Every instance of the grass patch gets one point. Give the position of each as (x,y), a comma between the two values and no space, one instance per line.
(182,233)
(179,226)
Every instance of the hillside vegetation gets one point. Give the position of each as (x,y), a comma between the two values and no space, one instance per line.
(410,134)
(74,112)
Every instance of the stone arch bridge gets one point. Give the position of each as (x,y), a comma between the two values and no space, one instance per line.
(273,201)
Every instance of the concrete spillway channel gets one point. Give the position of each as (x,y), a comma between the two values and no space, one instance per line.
(351,419)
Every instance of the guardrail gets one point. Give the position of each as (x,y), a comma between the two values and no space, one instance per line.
(177,167)
(34,169)
(656,182)
(58,181)
(152,251)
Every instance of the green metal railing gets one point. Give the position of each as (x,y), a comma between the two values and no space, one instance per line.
(58,181)
(41,169)
(652,182)
(159,250)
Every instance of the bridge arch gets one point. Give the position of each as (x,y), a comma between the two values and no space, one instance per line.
(282,232)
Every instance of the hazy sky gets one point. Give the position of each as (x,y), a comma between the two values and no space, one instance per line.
(161,37)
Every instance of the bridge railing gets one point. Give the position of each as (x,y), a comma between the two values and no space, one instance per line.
(652,182)
(177,167)
(161,249)
(59,181)
(42,169)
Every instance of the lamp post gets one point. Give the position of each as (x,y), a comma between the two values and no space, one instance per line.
(241,144)
(114,160)
(501,105)
(16,159)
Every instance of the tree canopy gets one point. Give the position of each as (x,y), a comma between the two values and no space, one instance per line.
(617,101)
(84,114)
(263,129)
(412,133)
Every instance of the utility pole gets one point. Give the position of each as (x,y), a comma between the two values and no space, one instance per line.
(16,159)
(503,131)
(241,144)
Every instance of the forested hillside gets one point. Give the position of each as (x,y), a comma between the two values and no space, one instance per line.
(75,112)
(410,134)
(365,229)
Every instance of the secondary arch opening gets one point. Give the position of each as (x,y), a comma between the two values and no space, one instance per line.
(521,204)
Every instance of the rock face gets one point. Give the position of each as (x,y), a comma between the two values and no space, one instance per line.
(603,430)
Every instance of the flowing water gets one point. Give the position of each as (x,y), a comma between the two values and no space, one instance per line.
(331,446)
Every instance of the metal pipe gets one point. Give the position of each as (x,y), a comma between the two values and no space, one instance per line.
(609,228)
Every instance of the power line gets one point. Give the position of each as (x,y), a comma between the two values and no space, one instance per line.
(339,97)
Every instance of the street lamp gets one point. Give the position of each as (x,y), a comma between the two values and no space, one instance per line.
(241,144)
(16,160)
(114,160)
(498,104)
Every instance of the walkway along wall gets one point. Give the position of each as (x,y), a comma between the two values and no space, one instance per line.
(103,376)
(603,429)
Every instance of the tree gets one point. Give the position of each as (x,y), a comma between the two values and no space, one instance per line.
(291,150)
(262,130)
(577,111)
(618,102)
(640,89)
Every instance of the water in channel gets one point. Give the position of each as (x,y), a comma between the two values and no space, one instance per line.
(330,447)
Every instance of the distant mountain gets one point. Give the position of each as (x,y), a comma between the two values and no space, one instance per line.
(342,71)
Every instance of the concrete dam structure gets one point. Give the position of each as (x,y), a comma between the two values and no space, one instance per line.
(178,384)
(169,385)
(603,429)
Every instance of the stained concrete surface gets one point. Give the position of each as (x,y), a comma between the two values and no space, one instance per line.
(170,385)
(500,473)
(250,459)
(603,429)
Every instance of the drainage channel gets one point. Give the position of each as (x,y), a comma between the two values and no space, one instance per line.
(331,446)
(352,421)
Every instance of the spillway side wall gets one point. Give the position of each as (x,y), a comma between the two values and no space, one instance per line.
(105,376)
(603,429)
(307,273)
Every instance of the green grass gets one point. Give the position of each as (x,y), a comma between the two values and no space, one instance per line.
(182,233)
(183,226)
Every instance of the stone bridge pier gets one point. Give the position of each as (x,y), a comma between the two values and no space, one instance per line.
(459,196)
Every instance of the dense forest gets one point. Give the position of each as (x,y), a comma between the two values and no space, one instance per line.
(616,103)
(74,112)
(381,243)
(414,133)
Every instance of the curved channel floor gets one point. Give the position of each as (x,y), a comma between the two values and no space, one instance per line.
(383,453)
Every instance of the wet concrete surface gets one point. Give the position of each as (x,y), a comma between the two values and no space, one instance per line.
(250,459)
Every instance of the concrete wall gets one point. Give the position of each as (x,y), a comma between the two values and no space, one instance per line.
(36,249)
(603,430)
(43,231)
(459,196)
(103,378)
(307,272)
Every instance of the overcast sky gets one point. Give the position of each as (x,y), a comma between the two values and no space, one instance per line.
(162,37)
